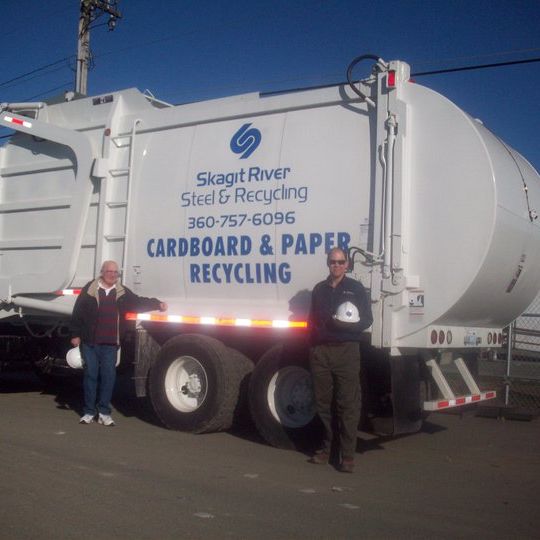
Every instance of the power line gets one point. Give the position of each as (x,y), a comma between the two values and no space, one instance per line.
(479,66)
(37,76)
(37,70)
(479,56)
(63,85)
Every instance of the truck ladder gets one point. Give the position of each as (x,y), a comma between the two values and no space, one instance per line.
(112,203)
(449,398)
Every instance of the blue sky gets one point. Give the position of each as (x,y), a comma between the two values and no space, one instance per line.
(198,49)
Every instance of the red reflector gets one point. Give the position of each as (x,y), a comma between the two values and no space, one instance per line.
(476,397)
(391,79)
(460,401)
(443,404)
(490,395)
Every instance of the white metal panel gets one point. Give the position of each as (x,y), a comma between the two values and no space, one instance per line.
(305,187)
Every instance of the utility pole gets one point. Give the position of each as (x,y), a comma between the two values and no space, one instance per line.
(90,11)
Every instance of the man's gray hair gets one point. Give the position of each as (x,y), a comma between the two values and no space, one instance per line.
(106,263)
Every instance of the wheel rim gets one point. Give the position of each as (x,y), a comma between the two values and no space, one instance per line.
(186,384)
(290,397)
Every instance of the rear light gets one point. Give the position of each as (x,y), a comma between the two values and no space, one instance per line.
(434,337)
(391,80)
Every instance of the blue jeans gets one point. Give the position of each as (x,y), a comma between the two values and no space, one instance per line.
(99,367)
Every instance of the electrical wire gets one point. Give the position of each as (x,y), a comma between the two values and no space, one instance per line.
(478,66)
(37,70)
(36,76)
(478,56)
(63,85)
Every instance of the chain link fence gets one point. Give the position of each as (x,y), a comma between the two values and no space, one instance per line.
(515,371)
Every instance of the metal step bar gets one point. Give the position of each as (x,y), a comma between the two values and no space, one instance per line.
(449,398)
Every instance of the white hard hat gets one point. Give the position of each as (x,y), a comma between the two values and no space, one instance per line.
(347,313)
(74,358)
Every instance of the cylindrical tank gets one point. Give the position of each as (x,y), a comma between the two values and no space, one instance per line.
(470,232)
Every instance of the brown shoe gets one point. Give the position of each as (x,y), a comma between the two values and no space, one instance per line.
(320,458)
(347,465)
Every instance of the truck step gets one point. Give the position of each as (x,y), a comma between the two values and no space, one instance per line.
(449,399)
(439,405)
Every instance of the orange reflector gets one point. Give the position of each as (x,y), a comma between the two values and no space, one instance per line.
(215,321)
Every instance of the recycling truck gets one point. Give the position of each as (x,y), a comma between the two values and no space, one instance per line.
(226,209)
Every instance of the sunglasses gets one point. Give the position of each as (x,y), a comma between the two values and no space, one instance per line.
(341,262)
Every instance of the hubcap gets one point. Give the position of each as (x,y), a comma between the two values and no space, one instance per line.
(186,384)
(290,397)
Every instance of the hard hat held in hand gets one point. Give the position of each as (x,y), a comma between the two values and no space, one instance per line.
(74,358)
(347,313)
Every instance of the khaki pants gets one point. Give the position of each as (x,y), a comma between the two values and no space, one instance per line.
(335,370)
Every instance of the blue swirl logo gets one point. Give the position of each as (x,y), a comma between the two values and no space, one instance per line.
(245,141)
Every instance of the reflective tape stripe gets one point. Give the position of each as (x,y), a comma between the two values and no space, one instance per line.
(215,321)
(17,121)
(68,292)
(210,321)
(457,402)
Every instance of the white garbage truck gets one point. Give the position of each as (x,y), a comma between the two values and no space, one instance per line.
(225,209)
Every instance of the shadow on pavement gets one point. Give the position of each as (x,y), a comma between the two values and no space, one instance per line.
(68,395)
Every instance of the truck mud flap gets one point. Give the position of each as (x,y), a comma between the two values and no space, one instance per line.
(406,394)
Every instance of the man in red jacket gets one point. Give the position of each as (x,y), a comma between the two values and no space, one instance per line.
(97,326)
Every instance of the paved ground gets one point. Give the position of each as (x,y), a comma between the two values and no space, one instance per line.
(462,477)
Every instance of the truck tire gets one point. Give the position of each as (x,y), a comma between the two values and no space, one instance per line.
(195,382)
(281,399)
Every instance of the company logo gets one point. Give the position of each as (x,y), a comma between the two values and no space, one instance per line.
(245,141)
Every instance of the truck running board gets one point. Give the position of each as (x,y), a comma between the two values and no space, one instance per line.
(449,400)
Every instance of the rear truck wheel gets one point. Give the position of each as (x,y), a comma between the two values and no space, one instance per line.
(194,384)
(281,398)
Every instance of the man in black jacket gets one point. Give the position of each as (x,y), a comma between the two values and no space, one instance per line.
(340,312)
(97,326)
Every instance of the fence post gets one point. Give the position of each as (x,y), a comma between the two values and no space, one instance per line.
(509,348)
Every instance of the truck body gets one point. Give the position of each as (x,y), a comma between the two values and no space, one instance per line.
(225,209)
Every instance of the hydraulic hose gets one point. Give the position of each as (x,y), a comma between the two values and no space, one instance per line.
(380,62)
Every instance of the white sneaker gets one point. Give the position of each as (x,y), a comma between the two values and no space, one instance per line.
(105,419)
(86,419)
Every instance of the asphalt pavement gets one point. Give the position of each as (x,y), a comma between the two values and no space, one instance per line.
(461,477)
